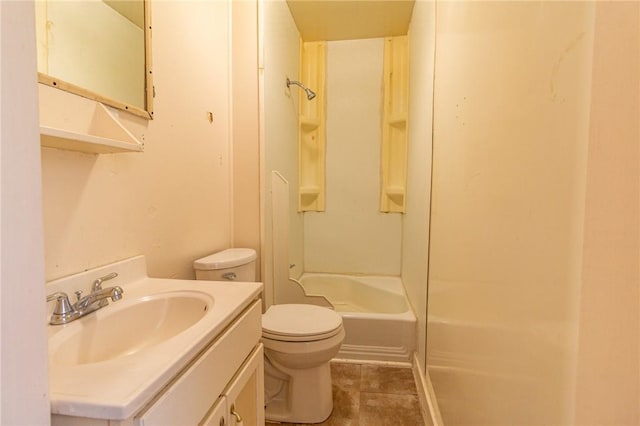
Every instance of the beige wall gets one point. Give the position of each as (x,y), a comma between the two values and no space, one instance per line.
(171,203)
(608,375)
(415,223)
(24,388)
(352,235)
(246,132)
(512,96)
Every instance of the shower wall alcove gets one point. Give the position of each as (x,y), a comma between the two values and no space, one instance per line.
(336,171)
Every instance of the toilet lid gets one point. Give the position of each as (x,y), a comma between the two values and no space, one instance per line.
(296,323)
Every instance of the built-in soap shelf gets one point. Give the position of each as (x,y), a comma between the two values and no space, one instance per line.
(398,120)
(310,190)
(99,132)
(309,123)
(393,190)
(393,162)
(312,132)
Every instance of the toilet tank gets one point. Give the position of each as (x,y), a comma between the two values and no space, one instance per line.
(234,264)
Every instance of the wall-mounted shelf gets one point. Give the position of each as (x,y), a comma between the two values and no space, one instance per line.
(64,139)
(97,133)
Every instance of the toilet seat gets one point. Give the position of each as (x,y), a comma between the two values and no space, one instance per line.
(300,323)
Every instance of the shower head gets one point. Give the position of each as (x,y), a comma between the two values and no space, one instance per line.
(310,93)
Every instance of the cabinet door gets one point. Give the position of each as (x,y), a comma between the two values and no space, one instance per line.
(218,414)
(245,393)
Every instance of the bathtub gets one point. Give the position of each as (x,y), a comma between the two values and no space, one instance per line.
(501,338)
(378,321)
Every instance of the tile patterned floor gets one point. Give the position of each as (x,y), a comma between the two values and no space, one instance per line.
(372,395)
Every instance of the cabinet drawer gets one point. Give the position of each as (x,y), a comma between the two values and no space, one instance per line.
(186,400)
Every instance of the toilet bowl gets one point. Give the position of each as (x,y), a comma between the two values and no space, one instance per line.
(299,341)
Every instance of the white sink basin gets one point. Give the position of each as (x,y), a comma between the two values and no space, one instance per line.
(128,326)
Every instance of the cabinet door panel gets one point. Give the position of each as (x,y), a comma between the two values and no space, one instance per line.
(245,393)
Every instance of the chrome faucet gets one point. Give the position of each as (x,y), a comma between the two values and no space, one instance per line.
(98,299)
(64,312)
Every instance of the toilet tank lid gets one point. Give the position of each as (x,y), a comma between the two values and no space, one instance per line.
(228,258)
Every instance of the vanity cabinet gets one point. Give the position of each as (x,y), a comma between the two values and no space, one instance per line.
(222,385)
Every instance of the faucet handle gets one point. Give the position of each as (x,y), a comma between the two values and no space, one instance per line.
(62,302)
(63,311)
(97,284)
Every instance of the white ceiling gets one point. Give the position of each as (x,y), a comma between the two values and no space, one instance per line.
(350,19)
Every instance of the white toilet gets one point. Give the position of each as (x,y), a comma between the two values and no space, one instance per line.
(299,341)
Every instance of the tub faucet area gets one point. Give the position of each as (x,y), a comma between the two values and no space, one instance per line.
(64,312)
